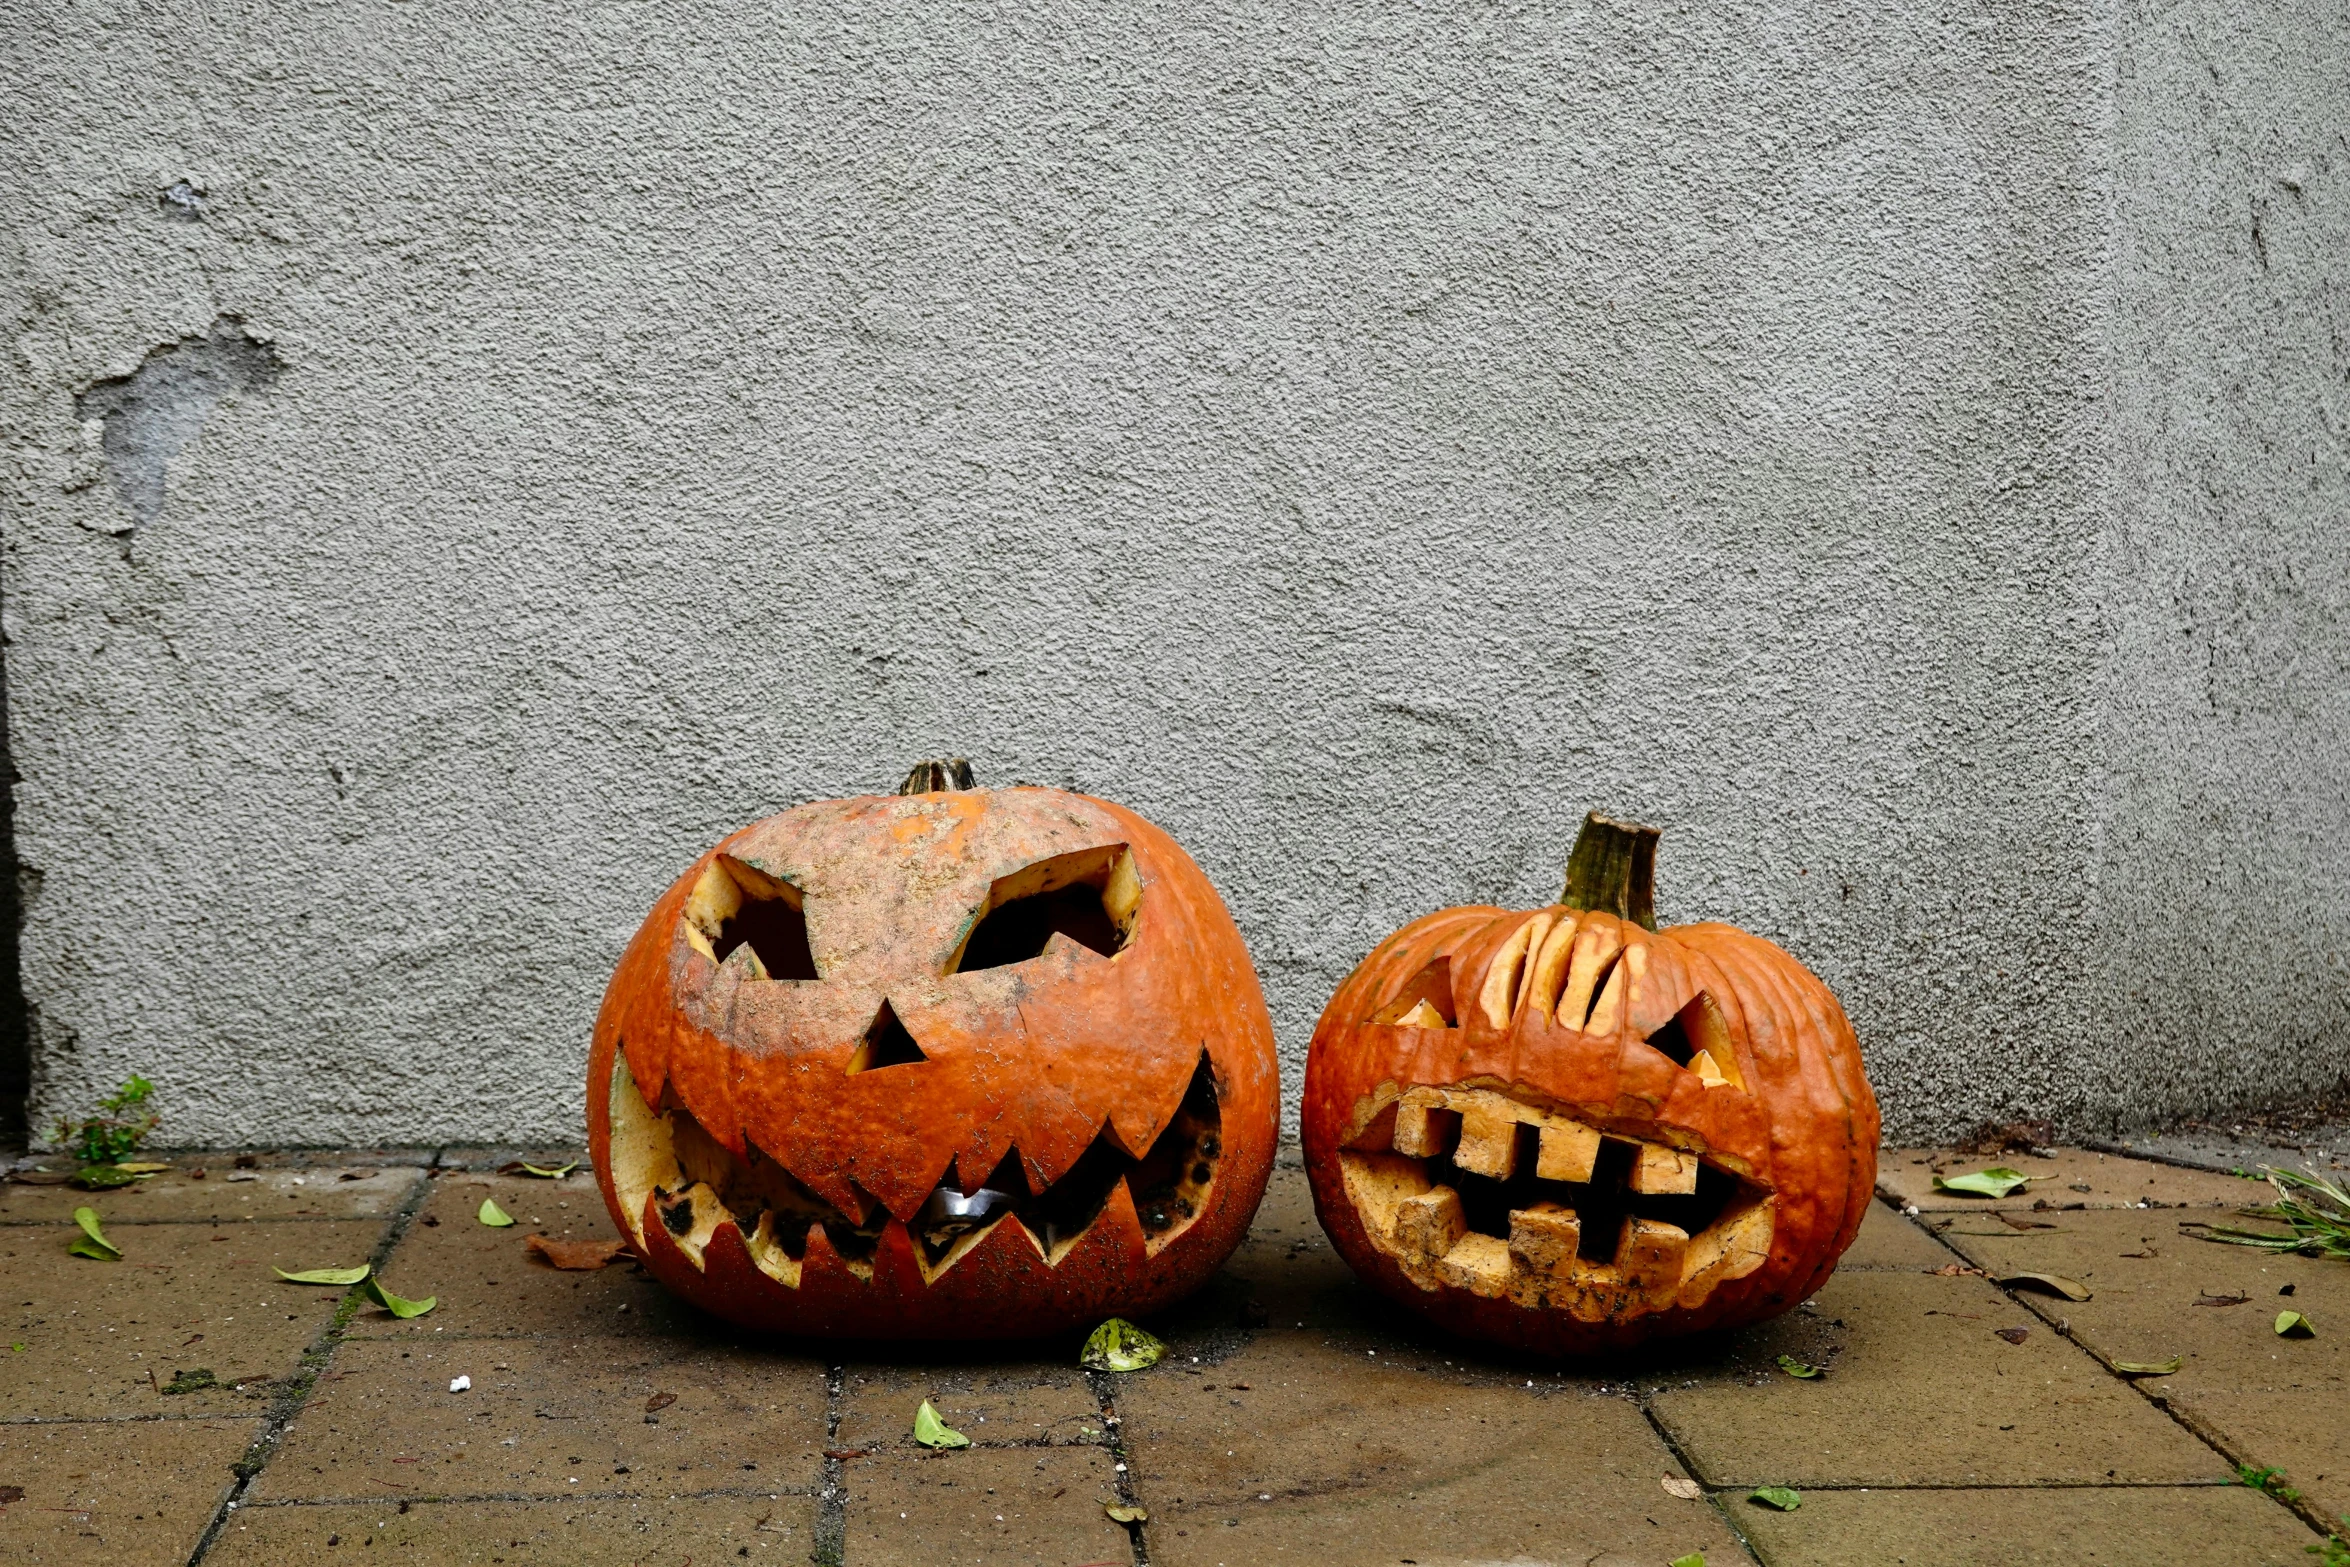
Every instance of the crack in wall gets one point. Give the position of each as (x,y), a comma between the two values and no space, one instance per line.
(156,410)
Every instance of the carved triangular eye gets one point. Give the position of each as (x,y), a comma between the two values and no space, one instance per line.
(1425,1000)
(1698,1038)
(736,906)
(1090,896)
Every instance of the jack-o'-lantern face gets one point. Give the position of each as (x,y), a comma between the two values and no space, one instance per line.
(1566,1130)
(970,1063)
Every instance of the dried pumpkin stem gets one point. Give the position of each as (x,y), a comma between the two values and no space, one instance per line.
(937,777)
(1613,869)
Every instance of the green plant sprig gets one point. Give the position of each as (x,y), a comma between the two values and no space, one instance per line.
(2314,1210)
(122,1124)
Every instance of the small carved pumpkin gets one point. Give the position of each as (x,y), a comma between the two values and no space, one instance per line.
(1566,1130)
(956,1063)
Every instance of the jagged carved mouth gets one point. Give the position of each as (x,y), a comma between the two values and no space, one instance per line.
(1477,1188)
(695,1185)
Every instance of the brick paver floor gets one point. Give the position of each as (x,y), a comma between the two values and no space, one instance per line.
(185,1405)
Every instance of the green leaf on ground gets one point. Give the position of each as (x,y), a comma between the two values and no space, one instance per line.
(397,1305)
(2147,1368)
(1783,1497)
(1118,1345)
(1796,1368)
(2291,1324)
(931,1431)
(1693,1559)
(92,1242)
(2046,1283)
(1120,1513)
(324,1275)
(494,1216)
(103,1177)
(196,1381)
(1997,1181)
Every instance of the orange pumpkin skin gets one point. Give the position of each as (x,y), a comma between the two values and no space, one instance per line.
(1783,1143)
(777,1153)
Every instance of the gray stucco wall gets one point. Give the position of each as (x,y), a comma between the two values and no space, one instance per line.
(1359,438)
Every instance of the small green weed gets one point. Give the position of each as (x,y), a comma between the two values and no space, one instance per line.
(2336,1551)
(122,1124)
(2269,1482)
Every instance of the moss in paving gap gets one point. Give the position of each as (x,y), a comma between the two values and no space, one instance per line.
(295,1390)
(1105,1397)
(831,1545)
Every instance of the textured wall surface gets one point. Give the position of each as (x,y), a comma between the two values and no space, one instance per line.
(465,459)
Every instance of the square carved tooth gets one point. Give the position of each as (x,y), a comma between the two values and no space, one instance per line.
(1479,1264)
(1424,1129)
(1543,1238)
(1489,1144)
(1569,1150)
(1430,1224)
(1664,1172)
(1649,1256)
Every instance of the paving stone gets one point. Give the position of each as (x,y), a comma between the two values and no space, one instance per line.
(1920,1391)
(1889,1240)
(544,1415)
(490,1285)
(984,1505)
(1329,1455)
(2210,1526)
(1285,1275)
(222,1194)
(2074,1178)
(2251,1391)
(122,1492)
(185,1297)
(991,1401)
(572,1531)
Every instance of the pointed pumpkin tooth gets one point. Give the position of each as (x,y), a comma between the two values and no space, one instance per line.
(1544,1238)
(1708,1069)
(1488,1145)
(1424,1015)
(1664,1172)
(1479,1264)
(1430,1224)
(1568,1150)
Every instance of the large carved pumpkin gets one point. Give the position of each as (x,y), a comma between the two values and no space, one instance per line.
(955,1063)
(1566,1130)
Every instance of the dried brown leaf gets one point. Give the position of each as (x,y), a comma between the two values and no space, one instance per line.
(574,1256)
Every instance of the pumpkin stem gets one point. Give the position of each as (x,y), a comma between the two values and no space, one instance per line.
(1612,868)
(953,772)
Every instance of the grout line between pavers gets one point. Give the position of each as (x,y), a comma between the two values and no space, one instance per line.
(1105,1394)
(314,1361)
(830,1548)
(2301,1508)
(1714,1499)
